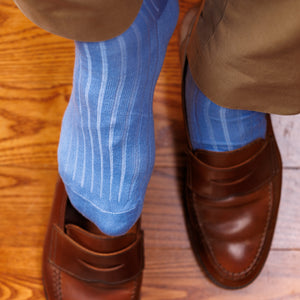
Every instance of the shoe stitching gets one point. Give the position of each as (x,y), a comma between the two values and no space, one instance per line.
(134,290)
(56,275)
(255,261)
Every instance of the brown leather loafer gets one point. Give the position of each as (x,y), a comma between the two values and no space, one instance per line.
(80,262)
(231,206)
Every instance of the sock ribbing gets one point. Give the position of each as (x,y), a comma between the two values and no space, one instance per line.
(106,149)
(216,128)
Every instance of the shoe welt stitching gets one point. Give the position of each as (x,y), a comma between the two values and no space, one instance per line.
(134,290)
(254,262)
(56,275)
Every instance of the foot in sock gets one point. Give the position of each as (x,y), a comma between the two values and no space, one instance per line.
(215,128)
(106,149)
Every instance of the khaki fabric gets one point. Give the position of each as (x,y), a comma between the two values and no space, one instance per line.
(245,54)
(82,20)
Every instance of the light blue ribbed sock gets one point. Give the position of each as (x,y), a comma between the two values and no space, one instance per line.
(106,149)
(215,128)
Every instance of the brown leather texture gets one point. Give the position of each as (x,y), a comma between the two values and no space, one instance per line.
(244,54)
(231,207)
(80,262)
(82,20)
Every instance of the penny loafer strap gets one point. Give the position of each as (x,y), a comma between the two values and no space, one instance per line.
(219,183)
(81,263)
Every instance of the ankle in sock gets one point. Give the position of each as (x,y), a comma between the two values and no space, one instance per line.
(106,148)
(215,128)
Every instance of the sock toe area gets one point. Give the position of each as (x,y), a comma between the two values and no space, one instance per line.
(110,223)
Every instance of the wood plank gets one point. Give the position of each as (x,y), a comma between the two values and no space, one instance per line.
(31,58)
(35,83)
(287,129)
(168,118)
(20,273)
(288,225)
(26,198)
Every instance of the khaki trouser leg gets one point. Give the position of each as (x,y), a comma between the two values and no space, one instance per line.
(82,20)
(245,54)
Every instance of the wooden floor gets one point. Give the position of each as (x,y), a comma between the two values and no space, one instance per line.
(35,84)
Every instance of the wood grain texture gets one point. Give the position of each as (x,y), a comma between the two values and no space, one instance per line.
(35,85)
(287,131)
